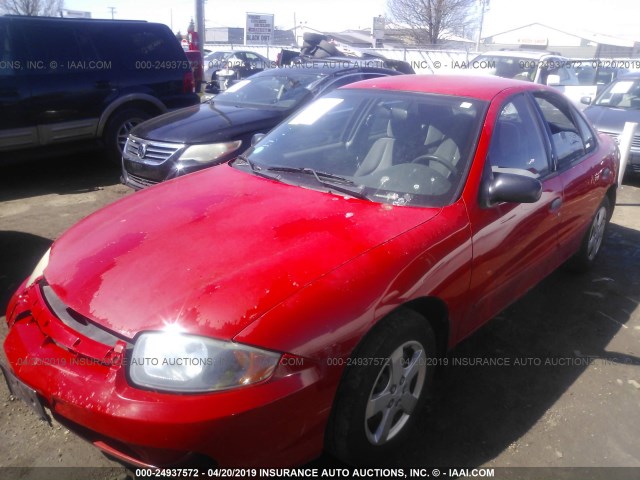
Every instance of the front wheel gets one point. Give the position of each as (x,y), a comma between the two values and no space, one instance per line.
(592,241)
(383,389)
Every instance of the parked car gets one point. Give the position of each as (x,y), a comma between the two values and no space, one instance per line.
(212,59)
(215,132)
(618,104)
(65,83)
(544,67)
(591,73)
(300,296)
(233,66)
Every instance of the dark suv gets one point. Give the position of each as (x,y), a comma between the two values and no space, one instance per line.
(65,83)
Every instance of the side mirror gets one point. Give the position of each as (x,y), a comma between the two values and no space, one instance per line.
(585,100)
(513,188)
(553,80)
(257,137)
(211,88)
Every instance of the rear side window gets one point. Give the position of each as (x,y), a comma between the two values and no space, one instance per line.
(55,48)
(151,45)
(570,142)
(7,61)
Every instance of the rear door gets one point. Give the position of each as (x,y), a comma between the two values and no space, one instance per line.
(68,79)
(577,158)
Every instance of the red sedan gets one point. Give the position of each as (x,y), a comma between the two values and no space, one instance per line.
(299,298)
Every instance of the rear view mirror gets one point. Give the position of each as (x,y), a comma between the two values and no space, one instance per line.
(585,100)
(257,137)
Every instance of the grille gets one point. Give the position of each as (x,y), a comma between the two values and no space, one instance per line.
(150,152)
(76,321)
(139,182)
(635,143)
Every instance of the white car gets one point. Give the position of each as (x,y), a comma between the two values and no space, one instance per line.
(543,67)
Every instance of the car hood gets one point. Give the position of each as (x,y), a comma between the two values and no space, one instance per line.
(208,123)
(611,119)
(212,251)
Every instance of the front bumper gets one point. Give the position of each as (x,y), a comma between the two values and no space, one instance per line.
(277,423)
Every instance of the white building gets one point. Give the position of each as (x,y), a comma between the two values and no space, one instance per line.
(570,44)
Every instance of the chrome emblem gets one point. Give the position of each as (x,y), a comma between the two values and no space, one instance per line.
(142,150)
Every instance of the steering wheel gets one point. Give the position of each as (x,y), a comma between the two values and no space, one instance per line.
(429,157)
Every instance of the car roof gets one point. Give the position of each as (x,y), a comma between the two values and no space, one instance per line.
(470,86)
(92,21)
(531,54)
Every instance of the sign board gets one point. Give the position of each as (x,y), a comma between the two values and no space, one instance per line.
(541,41)
(259,30)
(378,28)
(66,13)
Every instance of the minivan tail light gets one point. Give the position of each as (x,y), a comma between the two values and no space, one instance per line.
(188,84)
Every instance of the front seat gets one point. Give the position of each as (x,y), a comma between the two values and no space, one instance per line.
(380,155)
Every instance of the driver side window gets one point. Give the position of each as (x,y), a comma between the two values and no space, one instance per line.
(516,144)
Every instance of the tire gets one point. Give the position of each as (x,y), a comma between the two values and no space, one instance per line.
(376,405)
(118,128)
(330,48)
(313,38)
(591,244)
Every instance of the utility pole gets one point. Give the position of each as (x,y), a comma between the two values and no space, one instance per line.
(484,4)
(113,10)
(199,24)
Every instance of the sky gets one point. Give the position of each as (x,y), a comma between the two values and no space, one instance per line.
(618,18)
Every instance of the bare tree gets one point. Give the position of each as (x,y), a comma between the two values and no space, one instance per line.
(431,21)
(42,8)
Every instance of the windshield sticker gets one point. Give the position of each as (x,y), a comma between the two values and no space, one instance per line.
(237,86)
(313,112)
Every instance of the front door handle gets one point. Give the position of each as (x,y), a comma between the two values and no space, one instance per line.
(555,205)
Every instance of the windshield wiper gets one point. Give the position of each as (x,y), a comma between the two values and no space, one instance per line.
(254,168)
(335,182)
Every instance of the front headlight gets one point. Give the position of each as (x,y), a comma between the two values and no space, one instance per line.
(209,152)
(39,270)
(188,363)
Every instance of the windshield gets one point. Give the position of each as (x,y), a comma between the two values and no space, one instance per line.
(278,91)
(621,94)
(389,147)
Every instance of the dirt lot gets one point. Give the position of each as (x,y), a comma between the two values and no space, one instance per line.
(569,397)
